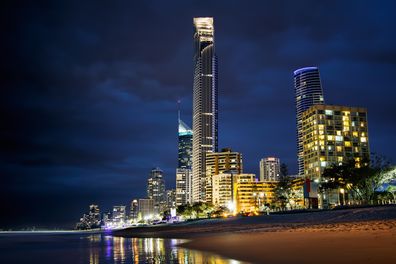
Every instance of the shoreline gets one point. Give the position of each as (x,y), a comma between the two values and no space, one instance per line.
(363,235)
(262,223)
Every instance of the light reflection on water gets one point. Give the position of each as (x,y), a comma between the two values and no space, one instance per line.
(147,250)
(98,249)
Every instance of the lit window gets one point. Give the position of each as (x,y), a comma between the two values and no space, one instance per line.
(339,159)
(356,134)
(328,112)
(338,138)
(323,163)
(347,143)
(330,137)
(339,148)
(363,139)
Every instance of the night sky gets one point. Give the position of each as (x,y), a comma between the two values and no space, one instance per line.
(89,91)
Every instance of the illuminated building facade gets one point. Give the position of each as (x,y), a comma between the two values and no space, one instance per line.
(308,92)
(183,186)
(185,135)
(270,169)
(119,215)
(170,198)
(146,209)
(183,172)
(222,189)
(251,195)
(156,189)
(205,102)
(134,210)
(225,161)
(332,135)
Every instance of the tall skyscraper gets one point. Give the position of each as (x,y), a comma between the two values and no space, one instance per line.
(205,103)
(156,189)
(183,172)
(308,92)
(185,145)
(270,169)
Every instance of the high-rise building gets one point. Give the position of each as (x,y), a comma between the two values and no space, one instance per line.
(171,198)
(156,189)
(119,214)
(308,92)
(146,208)
(133,214)
(332,135)
(226,161)
(251,195)
(183,172)
(185,146)
(270,169)
(183,187)
(205,102)
(222,189)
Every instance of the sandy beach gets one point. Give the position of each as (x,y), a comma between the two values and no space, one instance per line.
(360,235)
(360,242)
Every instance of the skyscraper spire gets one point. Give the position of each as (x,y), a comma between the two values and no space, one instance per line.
(178,109)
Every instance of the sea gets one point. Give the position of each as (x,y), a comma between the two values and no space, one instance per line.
(57,247)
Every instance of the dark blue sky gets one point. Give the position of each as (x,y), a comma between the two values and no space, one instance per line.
(89,90)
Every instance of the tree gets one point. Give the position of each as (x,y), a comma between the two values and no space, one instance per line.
(284,192)
(362,179)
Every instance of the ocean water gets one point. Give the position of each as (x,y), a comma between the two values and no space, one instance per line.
(98,248)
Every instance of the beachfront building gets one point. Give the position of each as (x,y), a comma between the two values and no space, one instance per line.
(308,92)
(222,187)
(226,161)
(156,189)
(170,198)
(119,216)
(251,195)
(146,209)
(269,169)
(205,103)
(134,210)
(333,135)
(183,186)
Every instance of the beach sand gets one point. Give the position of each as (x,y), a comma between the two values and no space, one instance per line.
(359,235)
(360,242)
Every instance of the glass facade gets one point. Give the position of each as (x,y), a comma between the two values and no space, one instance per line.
(308,92)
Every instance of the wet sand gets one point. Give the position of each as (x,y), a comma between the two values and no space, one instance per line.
(359,242)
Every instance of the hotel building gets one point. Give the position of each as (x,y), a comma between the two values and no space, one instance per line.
(225,161)
(270,169)
(332,135)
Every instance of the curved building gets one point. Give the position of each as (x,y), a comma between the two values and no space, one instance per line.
(204,102)
(308,92)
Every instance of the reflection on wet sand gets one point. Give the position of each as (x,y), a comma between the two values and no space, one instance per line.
(108,249)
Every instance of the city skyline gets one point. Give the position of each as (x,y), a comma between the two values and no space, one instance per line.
(86,117)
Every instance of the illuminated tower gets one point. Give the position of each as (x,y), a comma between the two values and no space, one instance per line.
(183,171)
(156,189)
(269,169)
(204,102)
(308,92)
